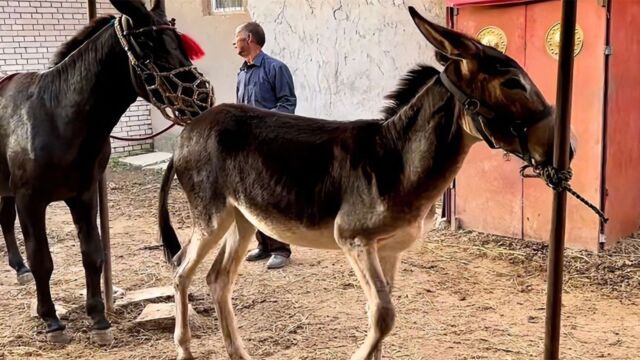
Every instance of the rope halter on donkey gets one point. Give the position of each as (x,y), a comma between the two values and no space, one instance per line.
(177,101)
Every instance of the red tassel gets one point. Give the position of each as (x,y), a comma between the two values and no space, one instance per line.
(193,49)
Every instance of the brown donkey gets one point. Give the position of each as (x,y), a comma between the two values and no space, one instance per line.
(363,187)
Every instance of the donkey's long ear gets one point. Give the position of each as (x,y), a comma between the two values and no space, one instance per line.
(159,8)
(135,10)
(450,43)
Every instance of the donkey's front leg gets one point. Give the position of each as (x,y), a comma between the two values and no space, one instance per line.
(83,209)
(363,256)
(31,212)
(7,221)
(389,264)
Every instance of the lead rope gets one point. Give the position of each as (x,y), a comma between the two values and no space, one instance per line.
(558,180)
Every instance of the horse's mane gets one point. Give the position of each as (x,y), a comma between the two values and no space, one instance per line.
(71,45)
(410,85)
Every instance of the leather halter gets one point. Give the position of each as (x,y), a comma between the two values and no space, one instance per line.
(480,113)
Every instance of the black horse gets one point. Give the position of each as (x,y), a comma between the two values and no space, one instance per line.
(54,138)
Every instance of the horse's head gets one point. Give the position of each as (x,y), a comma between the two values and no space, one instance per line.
(161,66)
(502,105)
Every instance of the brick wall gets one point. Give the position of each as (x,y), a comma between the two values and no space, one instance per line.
(31,31)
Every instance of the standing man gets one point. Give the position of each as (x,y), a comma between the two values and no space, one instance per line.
(266,83)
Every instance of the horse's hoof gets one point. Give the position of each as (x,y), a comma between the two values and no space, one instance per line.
(25,278)
(58,337)
(102,337)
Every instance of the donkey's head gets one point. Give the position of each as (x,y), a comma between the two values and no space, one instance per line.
(164,74)
(502,105)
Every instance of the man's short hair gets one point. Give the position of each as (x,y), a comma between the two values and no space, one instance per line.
(256,31)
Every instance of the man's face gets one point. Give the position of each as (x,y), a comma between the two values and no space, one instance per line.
(242,43)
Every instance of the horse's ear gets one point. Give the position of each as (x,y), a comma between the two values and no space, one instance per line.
(159,8)
(135,10)
(448,42)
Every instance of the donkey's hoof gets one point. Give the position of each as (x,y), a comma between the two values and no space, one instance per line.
(58,337)
(25,278)
(184,355)
(239,356)
(102,337)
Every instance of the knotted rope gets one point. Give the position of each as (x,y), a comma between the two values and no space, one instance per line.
(558,180)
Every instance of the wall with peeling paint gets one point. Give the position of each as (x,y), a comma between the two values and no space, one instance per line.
(345,55)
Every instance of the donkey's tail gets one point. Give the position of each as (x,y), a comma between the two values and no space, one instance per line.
(167,233)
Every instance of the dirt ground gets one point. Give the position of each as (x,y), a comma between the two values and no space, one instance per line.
(459,295)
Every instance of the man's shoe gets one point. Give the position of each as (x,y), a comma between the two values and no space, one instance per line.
(257,254)
(277,262)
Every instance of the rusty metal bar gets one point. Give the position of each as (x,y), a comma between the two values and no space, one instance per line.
(106,242)
(104,212)
(91,9)
(560,162)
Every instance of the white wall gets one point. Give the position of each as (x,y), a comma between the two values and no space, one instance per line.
(345,55)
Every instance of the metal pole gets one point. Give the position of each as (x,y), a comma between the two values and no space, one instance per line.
(91,9)
(104,213)
(106,243)
(560,162)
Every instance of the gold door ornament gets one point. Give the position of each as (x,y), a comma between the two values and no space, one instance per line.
(552,40)
(493,36)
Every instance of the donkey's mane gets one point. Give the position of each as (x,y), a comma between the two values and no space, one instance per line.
(410,85)
(71,45)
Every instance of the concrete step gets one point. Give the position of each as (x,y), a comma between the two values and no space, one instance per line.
(163,315)
(145,294)
(146,160)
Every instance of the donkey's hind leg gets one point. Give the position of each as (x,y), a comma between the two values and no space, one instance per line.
(206,234)
(7,221)
(363,257)
(220,280)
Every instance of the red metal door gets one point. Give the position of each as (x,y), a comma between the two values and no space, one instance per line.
(490,195)
(489,188)
(623,127)
(586,120)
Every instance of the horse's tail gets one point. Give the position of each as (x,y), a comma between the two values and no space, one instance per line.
(167,233)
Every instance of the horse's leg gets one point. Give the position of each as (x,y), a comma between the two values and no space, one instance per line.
(31,213)
(7,221)
(205,236)
(364,259)
(220,279)
(84,209)
(389,264)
